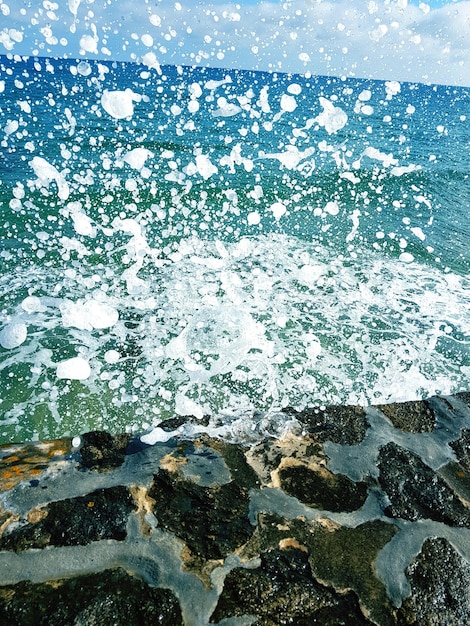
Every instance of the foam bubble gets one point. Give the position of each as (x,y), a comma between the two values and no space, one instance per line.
(226,109)
(119,104)
(82,223)
(32,304)
(46,173)
(291,157)
(392,88)
(88,315)
(88,43)
(186,406)
(84,68)
(214,84)
(332,118)
(288,103)
(366,109)
(157,435)
(76,368)
(100,314)
(406,257)
(147,40)
(332,208)
(150,60)
(418,232)
(365,95)
(195,90)
(378,155)
(112,356)
(13,335)
(254,218)
(279,209)
(309,274)
(295,89)
(137,157)
(205,167)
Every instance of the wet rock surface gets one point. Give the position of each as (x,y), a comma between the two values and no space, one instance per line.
(440,583)
(102,514)
(213,522)
(461,448)
(283,590)
(322,489)
(110,597)
(199,530)
(413,417)
(415,491)
(102,451)
(346,425)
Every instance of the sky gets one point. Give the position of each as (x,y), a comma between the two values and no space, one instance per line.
(384,39)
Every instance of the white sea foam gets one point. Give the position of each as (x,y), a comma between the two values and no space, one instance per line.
(119,104)
(151,61)
(278,209)
(212,85)
(164,318)
(13,335)
(76,368)
(46,173)
(333,118)
(204,166)
(89,43)
(87,315)
(225,109)
(137,157)
(32,304)
(288,103)
(254,325)
(291,157)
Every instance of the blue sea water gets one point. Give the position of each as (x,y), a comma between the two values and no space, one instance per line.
(225,243)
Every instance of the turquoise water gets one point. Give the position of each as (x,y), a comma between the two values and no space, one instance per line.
(225,243)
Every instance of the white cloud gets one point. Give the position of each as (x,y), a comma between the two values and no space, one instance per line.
(386,39)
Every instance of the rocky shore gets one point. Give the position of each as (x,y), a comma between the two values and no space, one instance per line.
(353,516)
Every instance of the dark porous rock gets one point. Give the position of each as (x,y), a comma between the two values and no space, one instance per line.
(464,396)
(101,514)
(235,458)
(440,587)
(457,474)
(270,455)
(321,489)
(416,491)
(212,521)
(340,558)
(344,558)
(283,591)
(345,425)
(458,479)
(109,597)
(461,447)
(272,531)
(174,423)
(413,417)
(267,532)
(102,451)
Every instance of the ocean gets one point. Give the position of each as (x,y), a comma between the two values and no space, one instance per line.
(208,242)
